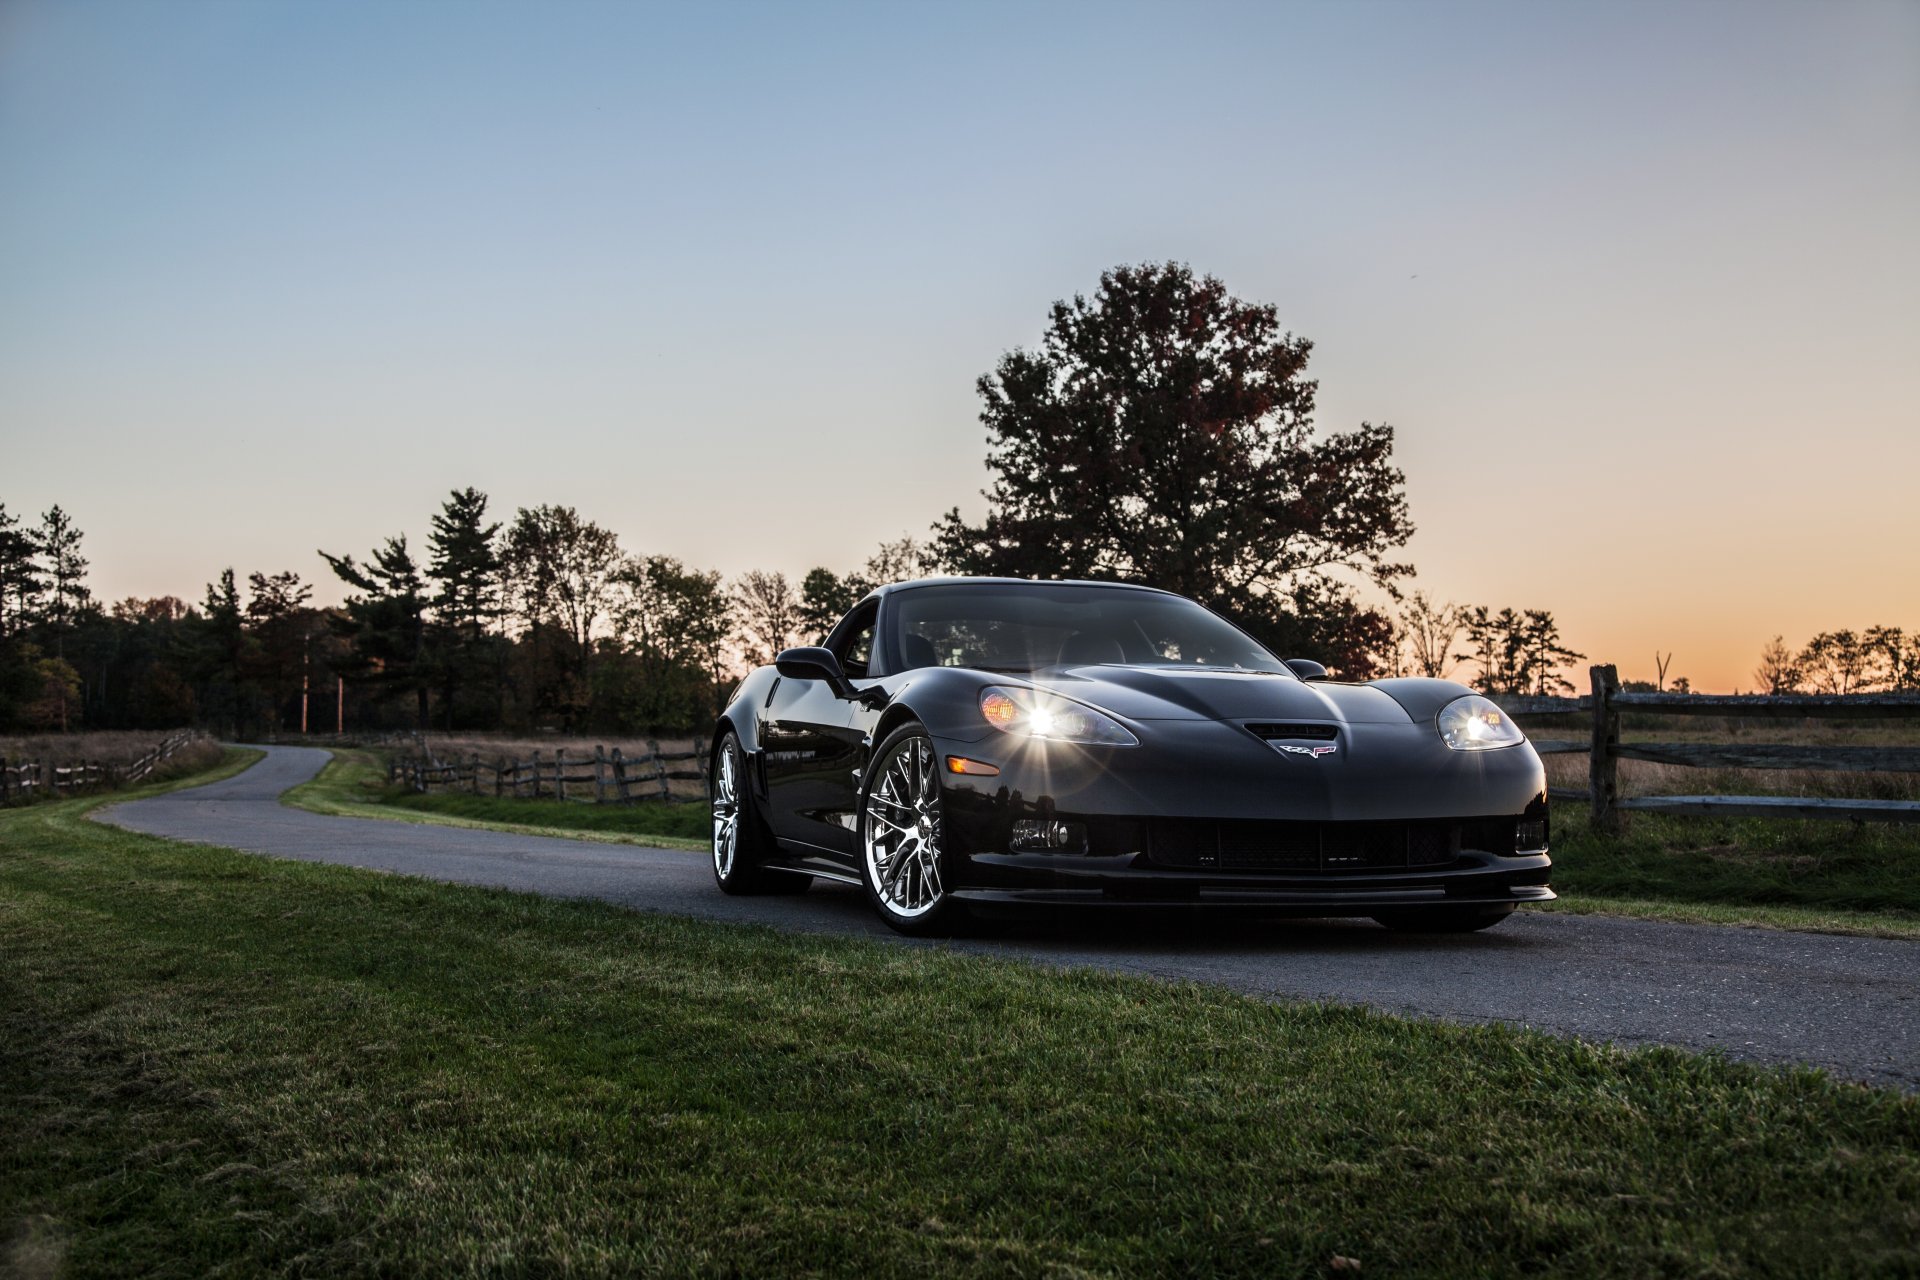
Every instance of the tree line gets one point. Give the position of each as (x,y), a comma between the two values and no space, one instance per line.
(1880,659)
(1162,431)
(544,620)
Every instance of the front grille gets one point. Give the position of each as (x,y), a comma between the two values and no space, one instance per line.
(1334,848)
(1294,731)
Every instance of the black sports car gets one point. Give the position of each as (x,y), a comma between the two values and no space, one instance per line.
(964,743)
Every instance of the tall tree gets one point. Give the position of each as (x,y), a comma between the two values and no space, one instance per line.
(384,624)
(1163,432)
(825,598)
(465,564)
(280,621)
(560,573)
(673,621)
(1836,662)
(20,575)
(1517,651)
(901,560)
(1779,670)
(1430,631)
(768,612)
(66,589)
(221,655)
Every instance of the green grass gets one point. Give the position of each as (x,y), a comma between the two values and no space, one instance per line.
(354,784)
(1829,876)
(212,1062)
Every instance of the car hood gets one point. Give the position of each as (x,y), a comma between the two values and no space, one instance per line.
(1192,693)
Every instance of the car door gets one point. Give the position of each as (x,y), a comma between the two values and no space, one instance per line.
(805,739)
(815,745)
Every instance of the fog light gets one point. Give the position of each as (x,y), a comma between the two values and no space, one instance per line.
(1529,835)
(1046,836)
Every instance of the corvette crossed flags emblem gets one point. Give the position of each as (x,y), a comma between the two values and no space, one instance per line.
(1312,753)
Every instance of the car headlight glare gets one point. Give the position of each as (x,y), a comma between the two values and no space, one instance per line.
(1474,723)
(1027,713)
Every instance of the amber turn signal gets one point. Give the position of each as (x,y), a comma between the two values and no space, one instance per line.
(960,764)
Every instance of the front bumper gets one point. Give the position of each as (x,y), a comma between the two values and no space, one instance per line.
(1217,818)
(1472,879)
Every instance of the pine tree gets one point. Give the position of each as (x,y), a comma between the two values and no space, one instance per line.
(20,581)
(66,589)
(466,566)
(385,625)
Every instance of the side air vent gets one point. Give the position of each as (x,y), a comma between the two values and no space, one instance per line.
(1295,732)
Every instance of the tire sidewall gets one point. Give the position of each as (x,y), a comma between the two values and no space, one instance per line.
(746,875)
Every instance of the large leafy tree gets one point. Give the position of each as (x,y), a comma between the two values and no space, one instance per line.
(672,624)
(1162,432)
(560,574)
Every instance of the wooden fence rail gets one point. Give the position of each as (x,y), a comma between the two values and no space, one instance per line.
(1605,750)
(604,777)
(27,780)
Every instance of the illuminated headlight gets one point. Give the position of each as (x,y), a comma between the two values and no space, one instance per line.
(1026,713)
(1474,724)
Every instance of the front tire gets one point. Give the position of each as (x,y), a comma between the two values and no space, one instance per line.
(741,842)
(903,861)
(1444,919)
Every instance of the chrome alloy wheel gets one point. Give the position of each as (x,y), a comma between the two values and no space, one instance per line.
(726,811)
(901,831)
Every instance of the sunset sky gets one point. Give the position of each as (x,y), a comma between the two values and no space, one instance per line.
(1638,285)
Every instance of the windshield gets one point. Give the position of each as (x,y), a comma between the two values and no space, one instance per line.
(1029,627)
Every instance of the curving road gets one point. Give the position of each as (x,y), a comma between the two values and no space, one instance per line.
(1851,1005)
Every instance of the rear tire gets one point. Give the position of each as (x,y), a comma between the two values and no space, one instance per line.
(1444,919)
(742,845)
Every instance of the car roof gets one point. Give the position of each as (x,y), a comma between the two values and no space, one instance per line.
(1014,582)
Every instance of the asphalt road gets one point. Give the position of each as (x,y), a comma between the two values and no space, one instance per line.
(1851,1005)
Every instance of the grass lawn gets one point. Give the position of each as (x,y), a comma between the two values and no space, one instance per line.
(213,1062)
(354,785)
(1826,876)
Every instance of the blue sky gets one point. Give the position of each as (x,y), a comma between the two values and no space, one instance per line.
(273,277)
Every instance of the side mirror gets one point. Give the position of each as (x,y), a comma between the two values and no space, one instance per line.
(1305,668)
(813,663)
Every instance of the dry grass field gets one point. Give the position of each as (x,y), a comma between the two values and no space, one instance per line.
(494,748)
(1645,778)
(104,746)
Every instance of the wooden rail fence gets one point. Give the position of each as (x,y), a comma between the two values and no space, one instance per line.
(27,780)
(610,777)
(1605,750)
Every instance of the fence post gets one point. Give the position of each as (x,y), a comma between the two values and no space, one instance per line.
(536,775)
(1603,764)
(474,784)
(599,774)
(560,774)
(659,769)
(619,777)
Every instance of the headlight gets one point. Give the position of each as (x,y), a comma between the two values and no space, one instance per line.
(1026,713)
(1474,724)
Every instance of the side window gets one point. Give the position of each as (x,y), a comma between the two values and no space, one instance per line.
(853,642)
